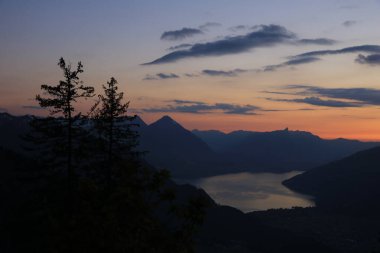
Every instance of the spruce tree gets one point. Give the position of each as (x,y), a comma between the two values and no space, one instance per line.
(59,132)
(114,126)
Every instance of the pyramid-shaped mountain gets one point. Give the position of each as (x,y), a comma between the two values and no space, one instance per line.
(173,147)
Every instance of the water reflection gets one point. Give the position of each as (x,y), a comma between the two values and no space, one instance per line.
(253,191)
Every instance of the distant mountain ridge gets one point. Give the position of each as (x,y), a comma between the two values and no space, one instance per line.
(194,154)
(281,150)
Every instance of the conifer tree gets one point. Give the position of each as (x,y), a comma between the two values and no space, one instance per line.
(114,126)
(59,131)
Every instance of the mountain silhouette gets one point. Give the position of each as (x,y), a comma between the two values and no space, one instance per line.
(281,150)
(220,141)
(348,185)
(173,147)
(197,153)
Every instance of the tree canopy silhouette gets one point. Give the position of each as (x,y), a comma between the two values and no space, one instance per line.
(114,127)
(99,196)
(60,132)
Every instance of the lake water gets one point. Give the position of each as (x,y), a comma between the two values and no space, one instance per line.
(253,191)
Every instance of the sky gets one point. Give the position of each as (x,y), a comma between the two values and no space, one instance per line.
(257,65)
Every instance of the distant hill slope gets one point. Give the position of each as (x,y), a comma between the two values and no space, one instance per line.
(348,185)
(281,150)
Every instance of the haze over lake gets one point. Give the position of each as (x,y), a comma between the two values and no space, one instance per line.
(253,191)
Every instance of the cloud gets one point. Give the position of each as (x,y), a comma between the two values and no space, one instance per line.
(318,41)
(180,34)
(267,35)
(3,109)
(238,28)
(319,102)
(349,23)
(34,107)
(207,25)
(180,46)
(190,75)
(160,76)
(229,73)
(363,96)
(347,50)
(372,59)
(292,62)
(262,36)
(179,101)
(187,106)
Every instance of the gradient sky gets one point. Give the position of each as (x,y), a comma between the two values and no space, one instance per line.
(244,64)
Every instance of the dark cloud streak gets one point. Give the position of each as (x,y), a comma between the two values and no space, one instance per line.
(347,50)
(318,41)
(229,73)
(160,76)
(292,62)
(180,46)
(207,25)
(319,102)
(372,59)
(180,34)
(187,106)
(262,36)
(364,96)
(349,23)
(267,35)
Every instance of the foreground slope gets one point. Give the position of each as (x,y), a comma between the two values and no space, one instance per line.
(348,185)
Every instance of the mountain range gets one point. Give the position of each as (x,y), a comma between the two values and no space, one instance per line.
(279,151)
(192,154)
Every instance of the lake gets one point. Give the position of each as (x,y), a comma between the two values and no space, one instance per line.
(253,191)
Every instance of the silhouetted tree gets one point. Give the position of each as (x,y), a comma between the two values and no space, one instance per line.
(121,204)
(114,126)
(58,132)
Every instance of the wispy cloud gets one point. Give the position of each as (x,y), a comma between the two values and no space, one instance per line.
(318,41)
(180,46)
(160,76)
(262,36)
(349,23)
(328,97)
(180,34)
(363,96)
(33,107)
(238,28)
(292,62)
(190,75)
(372,59)
(187,106)
(208,25)
(180,101)
(347,50)
(228,73)
(319,102)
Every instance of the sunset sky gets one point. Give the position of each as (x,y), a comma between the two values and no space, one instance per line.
(256,65)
